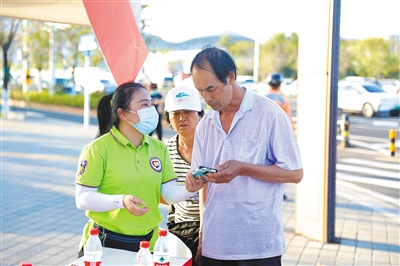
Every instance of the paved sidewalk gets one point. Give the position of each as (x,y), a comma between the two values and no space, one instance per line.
(40,223)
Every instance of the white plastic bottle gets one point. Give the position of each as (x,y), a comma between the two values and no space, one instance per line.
(143,257)
(93,249)
(161,255)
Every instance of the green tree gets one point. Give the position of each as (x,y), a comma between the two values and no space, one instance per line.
(373,58)
(67,45)
(38,47)
(225,41)
(279,54)
(8,32)
(241,51)
(347,58)
(9,29)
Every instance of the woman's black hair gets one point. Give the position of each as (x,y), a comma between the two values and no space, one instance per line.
(107,115)
(166,115)
(216,61)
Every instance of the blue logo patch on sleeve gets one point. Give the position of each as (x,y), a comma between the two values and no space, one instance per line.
(82,167)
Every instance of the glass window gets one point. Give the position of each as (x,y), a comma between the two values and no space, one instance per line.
(372,88)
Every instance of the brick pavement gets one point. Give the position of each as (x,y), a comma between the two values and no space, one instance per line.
(40,223)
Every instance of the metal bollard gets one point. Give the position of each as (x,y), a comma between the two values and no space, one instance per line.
(345,126)
(392,145)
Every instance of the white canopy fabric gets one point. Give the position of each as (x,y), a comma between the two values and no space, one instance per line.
(124,50)
(58,11)
(64,11)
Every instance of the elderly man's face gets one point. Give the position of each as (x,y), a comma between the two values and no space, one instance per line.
(214,92)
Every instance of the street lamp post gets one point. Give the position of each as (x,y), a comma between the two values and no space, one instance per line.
(25,55)
(86,44)
(86,97)
(52,67)
(256,60)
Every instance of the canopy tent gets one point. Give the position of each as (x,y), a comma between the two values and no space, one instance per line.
(114,23)
(65,11)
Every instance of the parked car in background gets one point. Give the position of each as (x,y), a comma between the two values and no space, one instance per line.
(366,97)
(248,83)
(109,86)
(289,87)
(167,84)
(390,85)
(263,87)
(65,85)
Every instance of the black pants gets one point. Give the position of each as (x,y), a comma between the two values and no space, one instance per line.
(119,241)
(275,261)
(188,232)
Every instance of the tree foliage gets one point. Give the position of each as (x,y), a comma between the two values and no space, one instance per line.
(279,54)
(38,45)
(9,29)
(241,51)
(347,58)
(67,46)
(373,58)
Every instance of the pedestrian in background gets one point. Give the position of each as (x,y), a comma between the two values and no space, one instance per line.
(183,113)
(123,172)
(249,140)
(274,81)
(158,103)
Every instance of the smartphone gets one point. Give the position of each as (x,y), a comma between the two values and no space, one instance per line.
(202,171)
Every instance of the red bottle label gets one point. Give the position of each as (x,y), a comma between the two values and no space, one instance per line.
(94,263)
(161,264)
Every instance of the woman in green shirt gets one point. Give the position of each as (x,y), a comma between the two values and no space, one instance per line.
(123,172)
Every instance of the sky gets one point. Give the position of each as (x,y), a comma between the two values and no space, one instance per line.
(180,20)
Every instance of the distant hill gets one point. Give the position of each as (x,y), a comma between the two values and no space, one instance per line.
(155,43)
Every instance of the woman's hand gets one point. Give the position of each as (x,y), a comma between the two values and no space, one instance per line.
(135,206)
(193,184)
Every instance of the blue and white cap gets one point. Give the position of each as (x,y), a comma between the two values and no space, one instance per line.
(182,98)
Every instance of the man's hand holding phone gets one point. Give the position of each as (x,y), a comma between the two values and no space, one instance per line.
(202,171)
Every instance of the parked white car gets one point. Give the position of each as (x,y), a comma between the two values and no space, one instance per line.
(109,85)
(390,85)
(263,87)
(289,88)
(366,97)
(248,83)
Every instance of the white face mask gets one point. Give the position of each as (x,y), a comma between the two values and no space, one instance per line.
(148,120)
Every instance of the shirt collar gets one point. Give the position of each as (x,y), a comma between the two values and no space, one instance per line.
(117,135)
(246,105)
(248,101)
